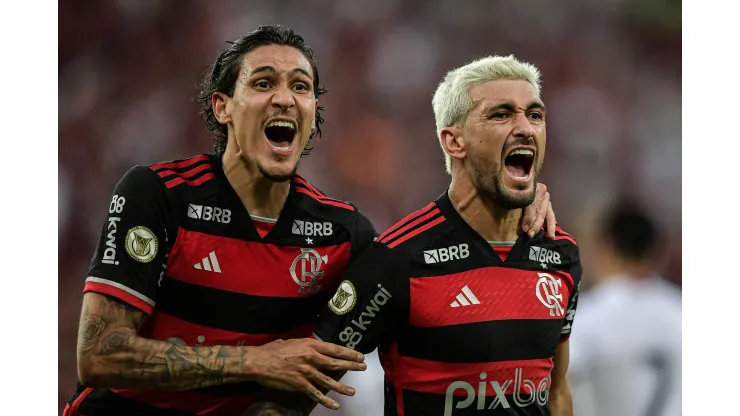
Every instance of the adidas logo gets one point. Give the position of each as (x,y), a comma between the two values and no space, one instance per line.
(465,298)
(209,264)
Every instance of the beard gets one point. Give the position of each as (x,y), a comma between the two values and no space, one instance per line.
(487,177)
(276,177)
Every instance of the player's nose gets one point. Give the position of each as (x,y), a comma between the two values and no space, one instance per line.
(522,127)
(282,98)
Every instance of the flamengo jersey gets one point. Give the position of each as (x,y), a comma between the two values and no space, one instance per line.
(460,332)
(179,245)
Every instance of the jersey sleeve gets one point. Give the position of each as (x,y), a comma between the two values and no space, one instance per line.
(363,236)
(130,254)
(576,271)
(369,305)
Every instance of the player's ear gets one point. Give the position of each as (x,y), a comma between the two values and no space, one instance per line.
(219,103)
(453,141)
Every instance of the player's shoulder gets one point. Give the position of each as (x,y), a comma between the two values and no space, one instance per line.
(320,205)
(415,231)
(563,242)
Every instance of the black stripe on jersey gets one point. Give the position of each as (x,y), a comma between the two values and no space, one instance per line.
(237,312)
(516,339)
(412,229)
(416,403)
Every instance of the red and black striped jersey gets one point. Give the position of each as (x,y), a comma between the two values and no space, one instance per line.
(179,245)
(459,329)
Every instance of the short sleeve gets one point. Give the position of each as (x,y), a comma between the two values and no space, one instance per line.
(363,234)
(576,272)
(129,258)
(369,305)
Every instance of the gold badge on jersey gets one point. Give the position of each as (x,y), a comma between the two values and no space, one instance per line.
(141,244)
(344,299)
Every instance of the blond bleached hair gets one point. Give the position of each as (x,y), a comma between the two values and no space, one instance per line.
(452,99)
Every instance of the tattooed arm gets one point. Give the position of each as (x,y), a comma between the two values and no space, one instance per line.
(111,354)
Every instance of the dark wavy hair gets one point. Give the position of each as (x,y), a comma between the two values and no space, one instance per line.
(224,73)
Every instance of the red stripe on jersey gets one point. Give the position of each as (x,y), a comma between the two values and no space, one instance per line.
(488,294)
(417,231)
(189,401)
(118,294)
(180,164)
(397,225)
(300,179)
(324,200)
(254,267)
(189,174)
(435,377)
(566,237)
(409,226)
(161,326)
(196,182)
(263,227)
(71,410)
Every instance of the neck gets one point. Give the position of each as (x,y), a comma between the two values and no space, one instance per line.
(260,195)
(492,222)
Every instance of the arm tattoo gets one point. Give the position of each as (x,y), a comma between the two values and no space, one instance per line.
(115,342)
(109,344)
(91,327)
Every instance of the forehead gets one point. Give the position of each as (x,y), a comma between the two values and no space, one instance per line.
(517,92)
(282,58)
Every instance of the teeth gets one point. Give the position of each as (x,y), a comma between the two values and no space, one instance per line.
(525,152)
(281,123)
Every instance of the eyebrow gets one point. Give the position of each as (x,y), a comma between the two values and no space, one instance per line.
(510,107)
(272,70)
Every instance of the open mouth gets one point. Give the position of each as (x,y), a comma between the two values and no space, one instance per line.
(519,163)
(281,135)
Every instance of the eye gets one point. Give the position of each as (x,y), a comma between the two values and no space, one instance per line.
(262,84)
(537,116)
(500,115)
(300,86)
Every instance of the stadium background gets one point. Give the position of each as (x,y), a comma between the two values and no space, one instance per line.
(128,71)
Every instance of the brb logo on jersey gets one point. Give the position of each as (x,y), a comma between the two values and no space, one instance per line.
(206,213)
(532,393)
(309,228)
(543,255)
(306,270)
(548,292)
(441,255)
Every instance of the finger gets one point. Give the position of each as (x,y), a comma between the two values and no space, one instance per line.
(552,223)
(336,364)
(329,383)
(337,351)
(319,397)
(539,219)
(530,211)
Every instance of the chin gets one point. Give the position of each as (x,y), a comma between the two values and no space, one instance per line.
(280,172)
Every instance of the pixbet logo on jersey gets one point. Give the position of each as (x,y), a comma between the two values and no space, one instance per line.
(116,207)
(309,228)
(206,213)
(306,270)
(441,255)
(351,337)
(525,393)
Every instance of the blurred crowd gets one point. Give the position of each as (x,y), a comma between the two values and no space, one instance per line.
(129,69)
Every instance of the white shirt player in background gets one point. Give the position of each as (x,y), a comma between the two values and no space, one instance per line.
(368,399)
(626,345)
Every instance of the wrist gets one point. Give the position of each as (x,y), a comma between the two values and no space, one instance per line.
(251,365)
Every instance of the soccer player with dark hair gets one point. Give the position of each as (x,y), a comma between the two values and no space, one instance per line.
(470,316)
(210,271)
(627,345)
